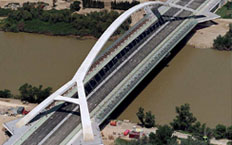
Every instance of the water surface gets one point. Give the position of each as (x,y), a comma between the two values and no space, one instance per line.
(200,77)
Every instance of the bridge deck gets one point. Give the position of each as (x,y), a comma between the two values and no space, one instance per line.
(110,82)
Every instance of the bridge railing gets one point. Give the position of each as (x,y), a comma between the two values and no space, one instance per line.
(125,40)
(131,81)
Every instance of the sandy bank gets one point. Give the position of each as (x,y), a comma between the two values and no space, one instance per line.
(6,104)
(204,37)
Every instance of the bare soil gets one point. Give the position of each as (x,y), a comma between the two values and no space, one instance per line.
(6,104)
(204,37)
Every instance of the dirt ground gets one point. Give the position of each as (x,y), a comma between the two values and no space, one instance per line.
(6,104)
(203,38)
(110,133)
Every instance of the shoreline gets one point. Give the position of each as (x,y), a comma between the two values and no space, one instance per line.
(87,37)
(204,34)
(202,38)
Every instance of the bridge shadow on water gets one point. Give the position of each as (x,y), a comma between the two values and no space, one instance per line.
(147,80)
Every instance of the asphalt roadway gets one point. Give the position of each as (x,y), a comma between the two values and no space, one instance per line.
(67,127)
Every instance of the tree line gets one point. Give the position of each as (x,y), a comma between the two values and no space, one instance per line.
(5,12)
(184,122)
(28,93)
(123,5)
(224,42)
(93,4)
(32,18)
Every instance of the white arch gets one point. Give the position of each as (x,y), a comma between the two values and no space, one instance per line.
(83,69)
(85,66)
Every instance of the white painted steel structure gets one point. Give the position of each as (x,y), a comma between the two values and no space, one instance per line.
(79,77)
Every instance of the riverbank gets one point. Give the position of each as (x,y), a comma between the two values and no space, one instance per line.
(111,133)
(206,33)
(33,18)
(5,106)
(193,76)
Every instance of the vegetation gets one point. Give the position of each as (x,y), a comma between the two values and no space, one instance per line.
(225,11)
(220,131)
(123,5)
(33,19)
(92,4)
(28,93)
(184,120)
(229,133)
(4,12)
(224,42)
(34,94)
(140,114)
(191,141)
(75,6)
(147,119)
(163,136)
(5,94)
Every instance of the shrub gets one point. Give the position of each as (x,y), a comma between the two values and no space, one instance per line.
(140,114)
(33,94)
(224,42)
(220,131)
(92,4)
(149,120)
(229,133)
(191,141)
(184,119)
(123,5)
(5,12)
(75,6)
(163,136)
(5,94)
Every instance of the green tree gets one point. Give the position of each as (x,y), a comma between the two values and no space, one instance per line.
(45,16)
(163,136)
(26,93)
(5,94)
(229,133)
(220,131)
(224,42)
(149,120)
(15,15)
(191,141)
(33,94)
(141,116)
(75,6)
(26,15)
(43,94)
(184,119)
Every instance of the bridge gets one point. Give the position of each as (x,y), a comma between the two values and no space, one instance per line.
(72,114)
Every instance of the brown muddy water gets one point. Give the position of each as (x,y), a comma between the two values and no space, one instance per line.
(39,59)
(200,77)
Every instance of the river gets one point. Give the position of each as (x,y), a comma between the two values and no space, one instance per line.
(39,59)
(200,77)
